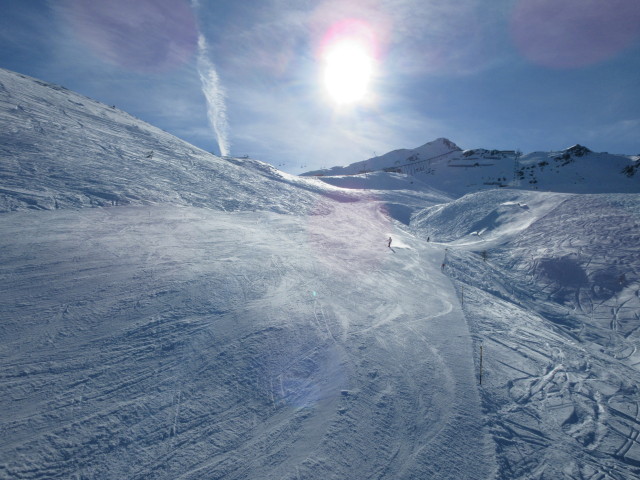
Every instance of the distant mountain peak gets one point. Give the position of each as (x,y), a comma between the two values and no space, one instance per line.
(443,165)
(446,142)
(578,150)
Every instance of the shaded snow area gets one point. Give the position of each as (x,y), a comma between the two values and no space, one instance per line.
(214,318)
(550,288)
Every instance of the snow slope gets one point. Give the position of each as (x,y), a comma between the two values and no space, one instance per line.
(550,286)
(59,149)
(163,342)
(218,319)
(234,323)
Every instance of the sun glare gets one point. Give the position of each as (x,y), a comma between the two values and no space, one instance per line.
(347,71)
(348,62)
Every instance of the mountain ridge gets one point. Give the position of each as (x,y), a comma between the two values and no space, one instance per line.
(446,167)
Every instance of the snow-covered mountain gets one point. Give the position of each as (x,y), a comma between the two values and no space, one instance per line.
(60,150)
(216,318)
(394,160)
(441,164)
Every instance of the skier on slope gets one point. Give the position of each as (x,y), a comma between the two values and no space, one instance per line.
(389,242)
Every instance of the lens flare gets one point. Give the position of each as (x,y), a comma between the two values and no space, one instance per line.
(146,36)
(574,33)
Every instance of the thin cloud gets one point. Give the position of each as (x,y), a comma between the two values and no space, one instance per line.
(215,95)
(619,133)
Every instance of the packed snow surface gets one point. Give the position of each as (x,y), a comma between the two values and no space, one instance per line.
(187,343)
(218,319)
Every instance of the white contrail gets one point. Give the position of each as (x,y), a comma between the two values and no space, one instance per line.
(215,95)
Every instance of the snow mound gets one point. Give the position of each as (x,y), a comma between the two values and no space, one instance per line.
(179,342)
(484,218)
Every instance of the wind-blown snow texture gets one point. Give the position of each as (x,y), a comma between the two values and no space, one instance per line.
(62,150)
(222,319)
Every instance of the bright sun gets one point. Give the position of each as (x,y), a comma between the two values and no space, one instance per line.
(347,71)
(349,61)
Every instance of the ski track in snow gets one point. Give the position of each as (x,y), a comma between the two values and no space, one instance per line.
(555,306)
(163,342)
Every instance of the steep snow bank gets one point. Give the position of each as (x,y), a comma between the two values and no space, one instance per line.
(60,150)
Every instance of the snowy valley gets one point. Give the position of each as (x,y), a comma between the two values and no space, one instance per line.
(169,314)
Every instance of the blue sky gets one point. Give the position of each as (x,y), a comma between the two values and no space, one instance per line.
(508,74)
